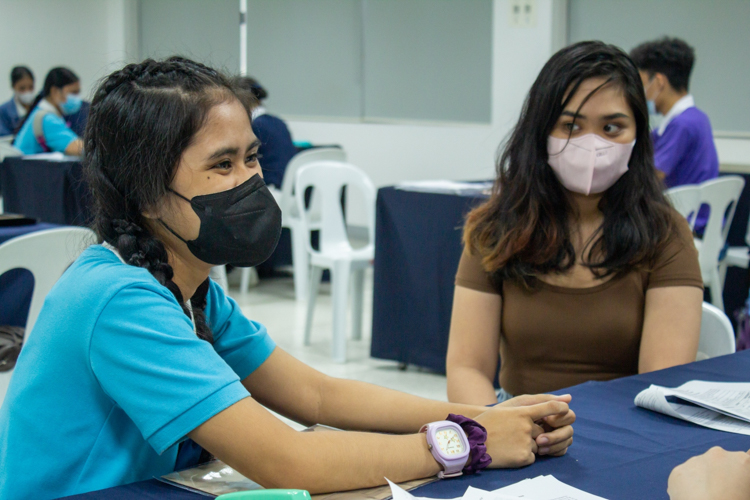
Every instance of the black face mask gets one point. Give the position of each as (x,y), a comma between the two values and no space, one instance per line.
(240,226)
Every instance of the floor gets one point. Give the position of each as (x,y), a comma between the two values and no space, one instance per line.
(272,303)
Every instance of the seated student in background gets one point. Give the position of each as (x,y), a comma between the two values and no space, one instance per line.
(577,268)
(718,474)
(136,349)
(276,146)
(684,149)
(44,128)
(13,111)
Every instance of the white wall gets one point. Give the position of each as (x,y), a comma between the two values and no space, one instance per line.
(393,152)
(91,37)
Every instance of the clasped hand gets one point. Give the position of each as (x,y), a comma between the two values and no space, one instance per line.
(526,426)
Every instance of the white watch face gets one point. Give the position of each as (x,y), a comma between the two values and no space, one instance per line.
(449,441)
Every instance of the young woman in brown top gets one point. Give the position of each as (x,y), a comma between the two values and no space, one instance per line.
(576,268)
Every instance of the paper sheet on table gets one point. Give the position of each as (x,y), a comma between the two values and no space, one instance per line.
(55,156)
(443,186)
(539,488)
(655,398)
(545,488)
(730,398)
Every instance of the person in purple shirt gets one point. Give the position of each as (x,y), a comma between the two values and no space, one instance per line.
(684,150)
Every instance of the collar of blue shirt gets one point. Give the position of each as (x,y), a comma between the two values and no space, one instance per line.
(683,104)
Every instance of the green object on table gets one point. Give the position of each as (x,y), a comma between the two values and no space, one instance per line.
(267,495)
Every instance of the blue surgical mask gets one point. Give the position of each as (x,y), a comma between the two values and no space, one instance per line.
(651,107)
(71,105)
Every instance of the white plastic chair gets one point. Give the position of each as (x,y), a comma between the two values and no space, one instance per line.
(687,201)
(290,215)
(717,334)
(47,254)
(721,195)
(335,252)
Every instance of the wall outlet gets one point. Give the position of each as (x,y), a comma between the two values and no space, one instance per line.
(523,13)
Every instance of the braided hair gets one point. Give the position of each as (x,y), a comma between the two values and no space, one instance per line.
(142,119)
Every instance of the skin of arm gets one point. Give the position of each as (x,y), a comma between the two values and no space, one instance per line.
(473,346)
(273,454)
(75,148)
(671,327)
(718,474)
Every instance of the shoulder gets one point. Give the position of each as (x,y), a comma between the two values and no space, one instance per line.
(692,120)
(8,107)
(52,120)
(98,275)
(471,273)
(676,262)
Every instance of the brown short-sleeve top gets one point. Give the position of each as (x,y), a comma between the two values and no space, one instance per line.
(555,337)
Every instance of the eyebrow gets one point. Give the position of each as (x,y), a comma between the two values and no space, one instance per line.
(613,116)
(232,151)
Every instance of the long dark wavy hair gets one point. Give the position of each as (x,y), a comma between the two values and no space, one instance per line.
(523,230)
(142,119)
(56,78)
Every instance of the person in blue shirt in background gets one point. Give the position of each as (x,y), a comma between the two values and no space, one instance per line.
(45,129)
(684,149)
(276,146)
(13,111)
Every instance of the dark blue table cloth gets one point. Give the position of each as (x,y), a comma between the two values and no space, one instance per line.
(17,285)
(619,451)
(417,249)
(49,191)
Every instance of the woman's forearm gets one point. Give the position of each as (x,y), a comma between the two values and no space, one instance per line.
(468,385)
(261,447)
(352,460)
(348,404)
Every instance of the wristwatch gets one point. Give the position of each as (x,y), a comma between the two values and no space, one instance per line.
(448,444)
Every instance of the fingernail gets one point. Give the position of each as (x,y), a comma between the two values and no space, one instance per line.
(543,451)
(542,440)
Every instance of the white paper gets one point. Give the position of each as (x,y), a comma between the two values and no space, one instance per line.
(477,494)
(401,494)
(55,156)
(655,398)
(443,186)
(545,488)
(731,398)
(539,488)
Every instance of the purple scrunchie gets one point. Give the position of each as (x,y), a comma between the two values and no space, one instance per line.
(477,436)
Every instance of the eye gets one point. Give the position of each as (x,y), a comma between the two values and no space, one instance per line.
(612,128)
(571,127)
(253,158)
(224,165)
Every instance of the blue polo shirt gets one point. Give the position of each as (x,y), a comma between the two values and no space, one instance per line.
(112,378)
(57,134)
(685,151)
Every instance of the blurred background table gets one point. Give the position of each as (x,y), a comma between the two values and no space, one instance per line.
(50,191)
(417,249)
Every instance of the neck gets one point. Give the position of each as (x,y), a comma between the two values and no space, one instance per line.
(187,276)
(669,99)
(586,207)
(55,105)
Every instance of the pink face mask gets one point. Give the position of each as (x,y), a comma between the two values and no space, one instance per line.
(588,164)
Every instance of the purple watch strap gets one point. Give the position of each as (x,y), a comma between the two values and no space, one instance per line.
(476,434)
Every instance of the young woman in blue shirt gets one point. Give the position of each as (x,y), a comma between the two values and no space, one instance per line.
(135,349)
(14,110)
(45,129)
